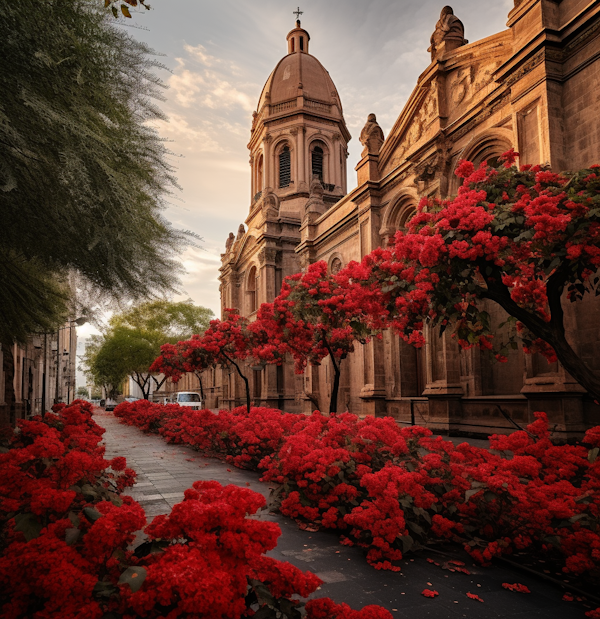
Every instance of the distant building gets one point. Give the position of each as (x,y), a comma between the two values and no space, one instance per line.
(32,375)
(533,87)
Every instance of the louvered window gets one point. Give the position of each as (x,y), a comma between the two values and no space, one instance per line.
(317,163)
(285,167)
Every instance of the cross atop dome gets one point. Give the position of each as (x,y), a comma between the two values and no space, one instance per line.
(298,38)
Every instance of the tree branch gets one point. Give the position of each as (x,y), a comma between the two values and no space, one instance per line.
(554,290)
(499,292)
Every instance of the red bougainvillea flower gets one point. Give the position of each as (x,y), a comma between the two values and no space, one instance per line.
(474,596)
(429,593)
(519,588)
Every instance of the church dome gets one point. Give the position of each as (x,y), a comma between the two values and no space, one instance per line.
(299,74)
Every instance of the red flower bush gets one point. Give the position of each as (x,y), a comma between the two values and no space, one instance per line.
(389,489)
(65,534)
(214,551)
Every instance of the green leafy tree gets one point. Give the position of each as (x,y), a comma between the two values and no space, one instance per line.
(133,339)
(82,392)
(83,175)
(100,368)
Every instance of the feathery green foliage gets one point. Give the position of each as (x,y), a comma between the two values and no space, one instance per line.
(83,173)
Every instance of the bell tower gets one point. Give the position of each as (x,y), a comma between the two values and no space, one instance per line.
(298,132)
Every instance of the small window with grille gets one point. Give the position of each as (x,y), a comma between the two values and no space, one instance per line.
(317,163)
(285,167)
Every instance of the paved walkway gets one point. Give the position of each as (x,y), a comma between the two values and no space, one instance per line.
(165,471)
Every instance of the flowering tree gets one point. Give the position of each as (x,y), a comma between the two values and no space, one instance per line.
(520,238)
(227,342)
(175,360)
(319,315)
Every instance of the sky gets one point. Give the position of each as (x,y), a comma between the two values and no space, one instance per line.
(218,55)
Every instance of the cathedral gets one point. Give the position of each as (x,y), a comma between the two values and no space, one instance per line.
(534,87)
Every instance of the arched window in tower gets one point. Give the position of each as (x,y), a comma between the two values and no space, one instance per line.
(251,291)
(285,167)
(317,163)
(293,44)
(259,174)
(301,44)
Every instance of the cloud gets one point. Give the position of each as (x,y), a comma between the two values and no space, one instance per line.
(201,79)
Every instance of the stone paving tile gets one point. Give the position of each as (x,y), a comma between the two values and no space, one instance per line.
(346,575)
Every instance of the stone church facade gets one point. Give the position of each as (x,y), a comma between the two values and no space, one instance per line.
(534,87)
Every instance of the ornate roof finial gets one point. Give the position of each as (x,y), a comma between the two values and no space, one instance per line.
(297,13)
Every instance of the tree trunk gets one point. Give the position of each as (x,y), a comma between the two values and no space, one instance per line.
(199,377)
(552,333)
(159,384)
(237,367)
(8,366)
(336,378)
(143,385)
(335,388)
(575,366)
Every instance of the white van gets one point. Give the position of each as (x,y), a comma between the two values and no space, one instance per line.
(190,399)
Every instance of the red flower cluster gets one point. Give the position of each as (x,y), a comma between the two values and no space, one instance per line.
(428,593)
(518,587)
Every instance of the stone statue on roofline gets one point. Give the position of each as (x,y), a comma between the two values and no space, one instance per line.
(449,31)
(315,203)
(229,242)
(371,137)
(241,232)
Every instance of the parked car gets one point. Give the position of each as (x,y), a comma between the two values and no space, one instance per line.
(188,398)
(110,404)
(130,398)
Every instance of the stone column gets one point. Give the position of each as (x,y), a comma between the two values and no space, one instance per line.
(331,157)
(443,388)
(335,156)
(373,393)
(268,162)
(301,146)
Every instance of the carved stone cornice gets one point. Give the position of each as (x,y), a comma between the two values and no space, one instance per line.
(483,114)
(525,68)
(267,256)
